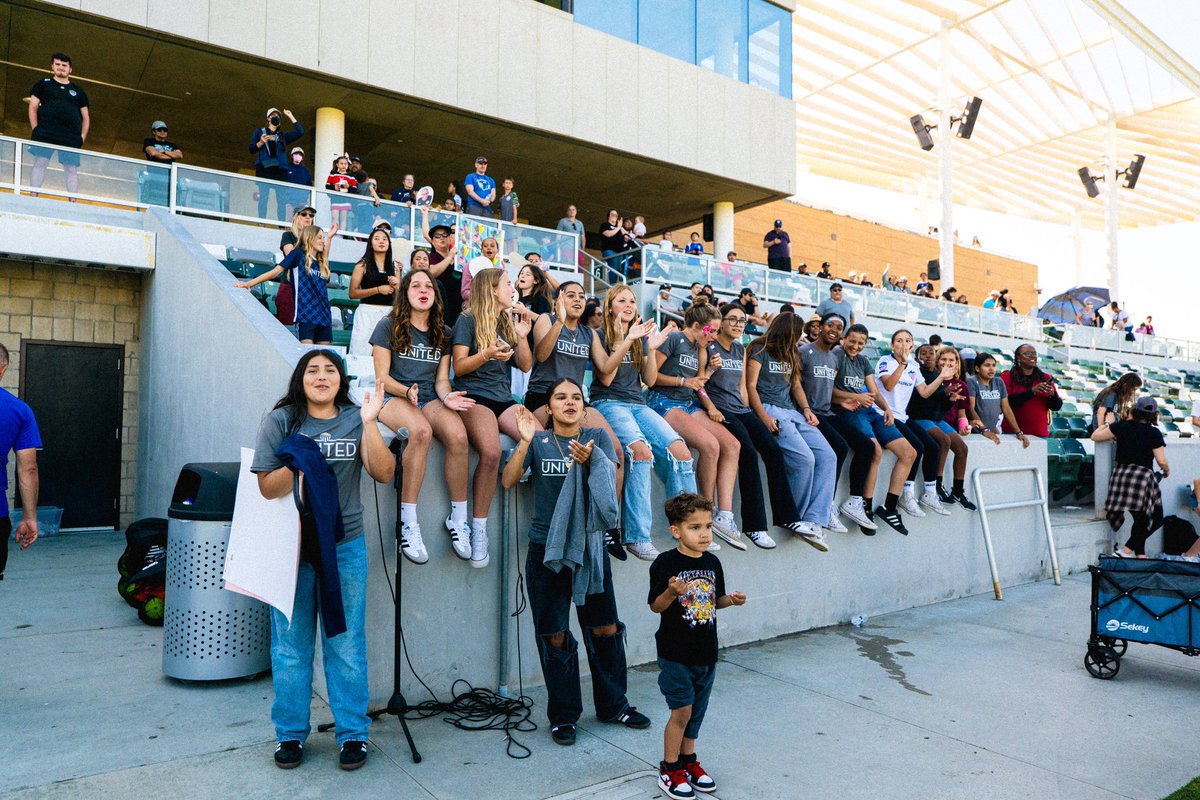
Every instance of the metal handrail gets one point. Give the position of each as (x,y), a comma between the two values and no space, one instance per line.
(984,508)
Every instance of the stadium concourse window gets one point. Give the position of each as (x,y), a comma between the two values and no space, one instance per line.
(748,40)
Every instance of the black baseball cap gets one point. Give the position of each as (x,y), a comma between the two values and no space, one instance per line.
(778,223)
(436,229)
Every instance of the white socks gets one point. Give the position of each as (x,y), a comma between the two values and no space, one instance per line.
(931,487)
(724,516)
(909,486)
(479,523)
(408,514)
(458,511)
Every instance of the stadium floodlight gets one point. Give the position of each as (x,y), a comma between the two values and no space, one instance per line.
(1089,181)
(921,129)
(965,123)
(1133,171)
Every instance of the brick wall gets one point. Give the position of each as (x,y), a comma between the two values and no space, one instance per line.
(70,304)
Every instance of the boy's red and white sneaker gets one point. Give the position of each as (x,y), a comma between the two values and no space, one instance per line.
(698,778)
(673,781)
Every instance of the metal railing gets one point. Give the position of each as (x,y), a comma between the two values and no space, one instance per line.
(1039,501)
(195,191)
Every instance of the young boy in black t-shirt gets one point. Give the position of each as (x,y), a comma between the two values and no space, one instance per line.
(687,586)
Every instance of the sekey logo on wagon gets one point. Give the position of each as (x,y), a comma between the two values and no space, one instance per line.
(1113,626)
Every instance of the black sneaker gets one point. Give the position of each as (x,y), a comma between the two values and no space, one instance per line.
(871,516)
(563,734)
(353,755)
(632,718)
(891,518)
(612,543)
(943,495)
(288,755)
(961,499)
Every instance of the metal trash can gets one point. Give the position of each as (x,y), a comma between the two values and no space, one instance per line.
(208,633)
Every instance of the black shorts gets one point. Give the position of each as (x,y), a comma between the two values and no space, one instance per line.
(497,407)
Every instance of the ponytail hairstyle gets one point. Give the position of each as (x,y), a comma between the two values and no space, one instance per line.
(492,321)
(401,316)
(615,331)
(700,312)
(308,238)
(782,342)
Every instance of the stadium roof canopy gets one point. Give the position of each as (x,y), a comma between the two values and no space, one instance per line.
(1050,73)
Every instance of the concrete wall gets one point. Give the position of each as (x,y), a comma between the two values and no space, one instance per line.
(214,362)
(451,612)
(550,73)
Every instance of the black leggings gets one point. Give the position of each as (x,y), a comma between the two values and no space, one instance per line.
(843,438)
(6,530)
(928,451)
(757,441)
(1140,533)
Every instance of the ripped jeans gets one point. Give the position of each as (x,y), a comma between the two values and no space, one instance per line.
(637,422)
(550,602)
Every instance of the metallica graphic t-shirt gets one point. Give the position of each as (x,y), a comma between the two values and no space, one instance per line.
(548,459)
(418,364)
(687,629)
(339,439)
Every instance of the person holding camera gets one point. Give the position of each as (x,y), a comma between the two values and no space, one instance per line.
(271,160)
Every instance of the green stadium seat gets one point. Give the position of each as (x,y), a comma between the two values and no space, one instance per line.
(1060,427)
(1084,484)
(1079,427)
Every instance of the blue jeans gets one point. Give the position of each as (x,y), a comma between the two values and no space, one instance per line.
(811,462)
(661,404)
(757,441)
(550,602)
(345,654)
(634,422)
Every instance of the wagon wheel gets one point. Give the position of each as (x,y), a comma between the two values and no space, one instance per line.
(1119,646)
(1102,662)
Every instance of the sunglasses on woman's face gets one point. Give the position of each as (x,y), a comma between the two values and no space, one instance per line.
(306,214)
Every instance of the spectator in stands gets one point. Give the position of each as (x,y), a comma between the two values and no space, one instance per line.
(670,307)
(779,248)
(18,434)
(812,329)
(683,370)
(549,456)
(341,180)
(407,192)
(317,423)
(993,299)
(510,204)
(492,333)
(285,298)
(989,401)
(481,190)
(489,256)
(1133,486)
(1147,327)
(367,186)
(308,264)
(648,441)
(1120,319)
(1089,317)
(749,304)
(1115,401)
(731,257)
(899,378)
(442,263)
(157,148)
(454,195)
(534,290)
(786,308)
(863,280)
(694,247)
(299,175)
(824,272)
(667,244)
(639,228)
(775,392)
(1032,394)
(411,350)
(855,395)
(948,295)
(727,390)
(924,286)
(962,300)
(418,259)
(269,145)
(613,240)
(819,368)
(943,415)
(570,224)
(58,115)
(373,284)
(591,314)
(802,269)
(836,305)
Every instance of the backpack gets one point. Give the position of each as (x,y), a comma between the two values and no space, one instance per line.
(1178,535)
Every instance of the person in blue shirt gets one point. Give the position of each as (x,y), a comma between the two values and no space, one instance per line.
(480,189)
(301,176)
(269,146)
(695,247)
(18,433)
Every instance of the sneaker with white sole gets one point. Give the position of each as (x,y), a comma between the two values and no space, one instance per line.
(931,501)
(700,780)
(646,551)
(460,538)
(835,525)
(412,545)
(891,518)
(761,539)
(816,538)
(714,546)
(854,509)
(479,547)
(961,499)
(908,504)
(673,781)
(727,529)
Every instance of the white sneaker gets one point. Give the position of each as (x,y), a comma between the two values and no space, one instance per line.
(853,509)
(460,538)
(646,551)
(479,547)
(816,538)
(727,529)
(761,539)
(802,528)
(835,525)
(931,501)
(908,504)
(714,546)
(412,545)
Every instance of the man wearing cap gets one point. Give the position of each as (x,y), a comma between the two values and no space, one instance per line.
(480,189)
(825,274)
(779,248)
(441,266)
(269,145)
(834,304)
(993,296)
(157,148)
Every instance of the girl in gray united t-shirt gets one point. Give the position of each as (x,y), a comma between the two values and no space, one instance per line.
(318,406)
(989,400)
(411,348)
(492,334)
(678,394)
